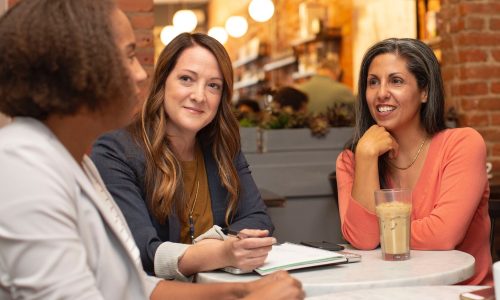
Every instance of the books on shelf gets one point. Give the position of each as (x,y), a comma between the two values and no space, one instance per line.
(290,256)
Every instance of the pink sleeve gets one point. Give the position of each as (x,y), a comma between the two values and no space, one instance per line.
(462,178)
(359,226)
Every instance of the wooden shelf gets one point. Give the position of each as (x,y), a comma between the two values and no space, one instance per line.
(246,60)
(301,41)
(434,42)
(280,63)
(300,75)
(246,83)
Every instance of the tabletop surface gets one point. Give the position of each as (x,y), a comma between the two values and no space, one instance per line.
(436,292)
(423,268)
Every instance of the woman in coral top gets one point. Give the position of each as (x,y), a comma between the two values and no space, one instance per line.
(401,140)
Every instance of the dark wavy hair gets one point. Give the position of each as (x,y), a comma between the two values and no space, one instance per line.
(58,56)
(423,64)
(163,176)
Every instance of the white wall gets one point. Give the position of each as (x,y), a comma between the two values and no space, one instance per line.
(375,20)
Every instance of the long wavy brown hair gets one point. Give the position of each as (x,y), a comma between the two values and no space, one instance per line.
(163,175)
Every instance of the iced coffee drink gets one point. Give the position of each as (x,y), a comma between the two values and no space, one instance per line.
(394,222)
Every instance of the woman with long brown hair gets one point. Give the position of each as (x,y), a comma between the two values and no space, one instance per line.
(177,172)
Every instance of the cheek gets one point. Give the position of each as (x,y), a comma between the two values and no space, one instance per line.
(214,101)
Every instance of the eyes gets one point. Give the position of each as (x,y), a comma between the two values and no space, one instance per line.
(188,80)
(396,81)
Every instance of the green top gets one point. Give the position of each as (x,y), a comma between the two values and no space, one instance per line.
(323,92)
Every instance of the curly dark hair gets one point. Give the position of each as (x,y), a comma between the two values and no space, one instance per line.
(58,56)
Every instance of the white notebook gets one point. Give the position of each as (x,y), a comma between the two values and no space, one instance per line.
(290,256)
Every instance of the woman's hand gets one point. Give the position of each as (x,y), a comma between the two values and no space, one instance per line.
(375,142)
(278,285)
(249,249)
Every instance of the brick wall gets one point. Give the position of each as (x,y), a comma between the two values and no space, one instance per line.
(140,13)
(470,31)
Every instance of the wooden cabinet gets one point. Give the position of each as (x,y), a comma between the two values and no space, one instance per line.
(248,69)
(427,24)
(303,57)
(257,71)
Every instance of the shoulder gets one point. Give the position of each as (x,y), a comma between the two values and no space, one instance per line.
(467,137)
(460,141)
(31,142)
(119,142)
(31,156)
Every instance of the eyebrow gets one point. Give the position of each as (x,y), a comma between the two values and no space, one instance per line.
(193,72)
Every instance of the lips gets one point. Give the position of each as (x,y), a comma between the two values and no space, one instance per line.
(194,109)
(385,108)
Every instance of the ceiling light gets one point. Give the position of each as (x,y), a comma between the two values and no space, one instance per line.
(236,26)
(218,33)
(185,20)
(168,33)
(261,10)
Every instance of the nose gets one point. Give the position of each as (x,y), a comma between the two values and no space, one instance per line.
(198,94)
(383,92)
(139,73)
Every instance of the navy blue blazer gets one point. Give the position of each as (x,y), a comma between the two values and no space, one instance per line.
(121,163)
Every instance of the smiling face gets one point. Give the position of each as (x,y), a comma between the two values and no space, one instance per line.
(193,92)
(392,93)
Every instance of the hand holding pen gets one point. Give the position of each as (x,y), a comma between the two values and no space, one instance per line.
(248,248)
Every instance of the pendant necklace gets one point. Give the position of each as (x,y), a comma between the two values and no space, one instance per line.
(414,158)
(191,222)
(197,182)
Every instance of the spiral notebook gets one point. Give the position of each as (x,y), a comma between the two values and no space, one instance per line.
(290,256)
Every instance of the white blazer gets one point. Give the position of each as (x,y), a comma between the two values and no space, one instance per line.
(61,234)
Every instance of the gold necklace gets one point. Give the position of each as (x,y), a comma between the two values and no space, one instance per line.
(191,221)
(197,181)
(414,159)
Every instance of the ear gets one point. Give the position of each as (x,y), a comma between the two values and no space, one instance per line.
(423,96)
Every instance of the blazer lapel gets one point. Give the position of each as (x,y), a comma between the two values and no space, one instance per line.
(105,210)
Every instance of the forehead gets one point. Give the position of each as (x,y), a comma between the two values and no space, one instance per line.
(390,62)
(199,60)
(124,35)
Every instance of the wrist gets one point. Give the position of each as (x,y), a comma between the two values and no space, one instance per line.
(242,289)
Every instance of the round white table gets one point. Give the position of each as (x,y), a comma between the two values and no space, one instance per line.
(435,292)
(423,268)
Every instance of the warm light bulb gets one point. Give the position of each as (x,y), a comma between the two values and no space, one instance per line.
(218,33)
(185,20)
(261,10)
(236,26)
(168,33)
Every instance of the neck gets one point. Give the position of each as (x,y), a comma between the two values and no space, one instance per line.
(409,139)
(184,148)
(76,132)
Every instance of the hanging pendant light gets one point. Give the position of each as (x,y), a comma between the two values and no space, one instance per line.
(261,10)
(185,20)
(168,33)
(236,26)
(218,33)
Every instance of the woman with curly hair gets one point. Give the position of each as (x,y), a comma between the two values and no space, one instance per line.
(69,73)
(178,173)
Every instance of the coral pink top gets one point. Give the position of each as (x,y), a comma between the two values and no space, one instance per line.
(450,202)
